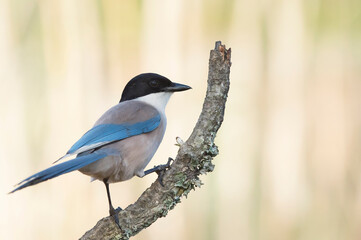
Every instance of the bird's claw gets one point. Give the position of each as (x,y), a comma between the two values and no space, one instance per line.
(161,170)
(114,213)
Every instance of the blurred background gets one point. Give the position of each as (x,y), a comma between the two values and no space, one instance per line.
(289,164)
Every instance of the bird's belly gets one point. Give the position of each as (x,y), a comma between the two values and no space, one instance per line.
(126,158)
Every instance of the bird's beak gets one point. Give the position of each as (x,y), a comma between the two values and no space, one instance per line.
(177,87)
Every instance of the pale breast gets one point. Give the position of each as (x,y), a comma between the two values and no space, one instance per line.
(136,152)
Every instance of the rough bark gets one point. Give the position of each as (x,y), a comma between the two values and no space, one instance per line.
(193,159)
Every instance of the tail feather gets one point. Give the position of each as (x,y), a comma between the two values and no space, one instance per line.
(59,169)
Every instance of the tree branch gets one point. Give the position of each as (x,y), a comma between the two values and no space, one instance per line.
(194,158)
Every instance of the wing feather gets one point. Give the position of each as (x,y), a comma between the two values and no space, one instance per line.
(106,133)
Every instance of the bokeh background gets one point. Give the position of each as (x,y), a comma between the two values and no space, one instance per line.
(289,163)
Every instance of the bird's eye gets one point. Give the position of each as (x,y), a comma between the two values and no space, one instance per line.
(154,83)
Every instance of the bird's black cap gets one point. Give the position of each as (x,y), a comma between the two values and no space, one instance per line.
(148,83)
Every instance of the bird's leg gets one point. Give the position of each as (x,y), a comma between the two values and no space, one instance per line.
(113,212)
(160,170)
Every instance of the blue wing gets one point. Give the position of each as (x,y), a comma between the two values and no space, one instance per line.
(97,136)
(106,133)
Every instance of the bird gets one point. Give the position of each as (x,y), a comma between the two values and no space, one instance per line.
(123,140)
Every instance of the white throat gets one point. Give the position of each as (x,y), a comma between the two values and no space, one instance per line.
(157,100)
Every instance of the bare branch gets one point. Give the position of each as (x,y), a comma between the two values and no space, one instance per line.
(194,158)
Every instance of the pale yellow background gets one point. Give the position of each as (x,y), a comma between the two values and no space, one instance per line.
(289,164)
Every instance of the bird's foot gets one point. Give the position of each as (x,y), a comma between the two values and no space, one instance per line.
(114,213)
(161,170)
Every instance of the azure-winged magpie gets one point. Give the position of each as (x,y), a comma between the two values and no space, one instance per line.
(123,140)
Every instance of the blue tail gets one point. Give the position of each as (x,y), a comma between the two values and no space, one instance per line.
(59,169)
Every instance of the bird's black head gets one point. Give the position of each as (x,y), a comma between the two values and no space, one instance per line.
(148,83)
